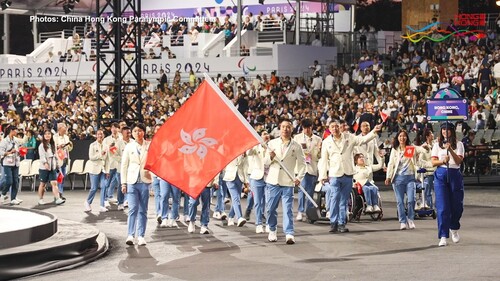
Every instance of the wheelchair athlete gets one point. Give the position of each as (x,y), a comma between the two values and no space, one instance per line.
(364,177)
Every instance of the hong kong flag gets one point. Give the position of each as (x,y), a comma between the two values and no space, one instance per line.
(409,152)
(384,116)
(199,140)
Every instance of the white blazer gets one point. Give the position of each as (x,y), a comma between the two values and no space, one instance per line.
(291,157)
(312,151)
(365,174)
(395,159)
(337,157)
(239,166)
(133,161)
(369,150)
(257,169)
(116,157)
(97,161)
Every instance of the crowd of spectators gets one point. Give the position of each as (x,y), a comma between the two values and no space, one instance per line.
(354,93)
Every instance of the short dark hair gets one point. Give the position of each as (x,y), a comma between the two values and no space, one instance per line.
(307,123)
(140,126)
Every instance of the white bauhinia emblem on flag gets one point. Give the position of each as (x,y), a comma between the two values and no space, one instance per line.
(197,142)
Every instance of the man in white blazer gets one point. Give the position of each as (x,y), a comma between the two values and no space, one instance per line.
(337,167)
(257,173)
(115,146)
(61,139)
(370,149)
(235,176)
(311,146)
(98,171)
(135,182)
(283,151)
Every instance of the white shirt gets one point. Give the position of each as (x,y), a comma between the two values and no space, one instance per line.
(329,79)
(440,153)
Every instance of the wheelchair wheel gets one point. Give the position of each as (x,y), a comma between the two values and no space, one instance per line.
(354,206)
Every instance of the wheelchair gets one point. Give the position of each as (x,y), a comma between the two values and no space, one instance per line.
(356,205)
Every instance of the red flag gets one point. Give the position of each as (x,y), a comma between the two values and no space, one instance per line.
(383,116)
(199,140)
(23,151)
(355,126)
(113,149)
(61,154)
(326,134)
(60,177)
(409,151)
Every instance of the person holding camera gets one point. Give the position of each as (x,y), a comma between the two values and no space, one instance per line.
(10,160)
(49,169)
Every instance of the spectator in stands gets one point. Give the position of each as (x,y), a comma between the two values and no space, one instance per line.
(316,42)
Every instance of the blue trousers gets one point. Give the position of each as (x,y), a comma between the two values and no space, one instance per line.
(234,187)
(205,207)
(258,188)
(285,194)
(60,186)
(138,198)
(11,176)
(221,194)
(167,190)
(429,188)
(308,183)
(340,189)
(156,190)
(404,184)
(449,192)
(97,181)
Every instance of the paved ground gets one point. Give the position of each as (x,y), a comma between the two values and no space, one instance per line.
(371,251)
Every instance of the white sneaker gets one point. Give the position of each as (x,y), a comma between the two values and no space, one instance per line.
(411,224)
(376,209)
(369,209)
(328,214)
(19,200)
(454,236)
(41,202)
(112,201)
(241,222)
(204,230)
(59,201)
(243,195)
(403,226)
(230,222)
(120,207)
(216,215)
(272,237)
(106,204)
(299,216)
(290,239)
(103,209)
(87,207)
(164,224)
(442,242)
(227,200)
(141,241)
(5,198)
(15,202)
(259,229)
(268,229)
(130,240)
(173,223)
(191,227)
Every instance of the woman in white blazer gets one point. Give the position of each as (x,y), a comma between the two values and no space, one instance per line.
(98,171)
(257,183)
(363,174)
(135,182)
(401,172)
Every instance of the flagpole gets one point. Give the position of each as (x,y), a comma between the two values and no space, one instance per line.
(257,136)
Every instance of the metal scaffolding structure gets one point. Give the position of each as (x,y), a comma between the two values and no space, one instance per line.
(118,61)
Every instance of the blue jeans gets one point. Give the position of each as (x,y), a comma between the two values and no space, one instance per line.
(97,181)
(205,207)
(308,183)
(60,186)
(371,194)
(285,193)
(112,182)
(11,177)
(138,198)
(250,201)
(429,188)
(156,190)
(185,204)
(221,194)
(449,199)
(2,178)
(405,184)
(340,189)
(167,190)
(234,188)
(258,188)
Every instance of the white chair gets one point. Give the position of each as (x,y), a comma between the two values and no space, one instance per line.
(85,173)
(24,171)
(76,169)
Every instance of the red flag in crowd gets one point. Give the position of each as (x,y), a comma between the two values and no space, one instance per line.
(199,140)
(326,133)
(383,116)
(355,126)
(409,152)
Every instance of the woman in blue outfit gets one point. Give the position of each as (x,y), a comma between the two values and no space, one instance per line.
(447,155)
